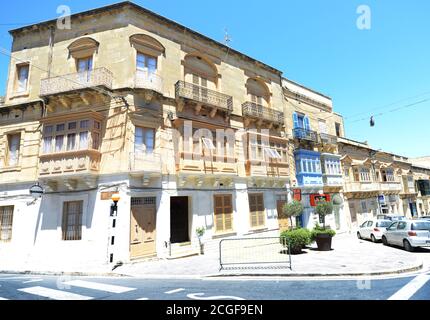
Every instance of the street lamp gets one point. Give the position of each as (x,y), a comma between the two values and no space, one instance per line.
(36,191)
(114,207)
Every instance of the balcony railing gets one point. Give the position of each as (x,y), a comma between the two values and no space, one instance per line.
(142,162)
(255,110)
(304,134)
(148,80)
(203,95)
(328,138)
(100,77)
(70,163)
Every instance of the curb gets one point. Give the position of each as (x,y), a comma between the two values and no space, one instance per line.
(346,274)
(65,273)
(217,275)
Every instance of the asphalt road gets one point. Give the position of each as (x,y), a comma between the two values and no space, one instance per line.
(31,287)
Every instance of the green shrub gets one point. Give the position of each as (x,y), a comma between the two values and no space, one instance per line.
(292,209)
(323,209)
(321,230)
(298,238)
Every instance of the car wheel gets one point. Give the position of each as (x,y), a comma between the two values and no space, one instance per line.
(384,241)
(372,237)
(359,235)
(407,246)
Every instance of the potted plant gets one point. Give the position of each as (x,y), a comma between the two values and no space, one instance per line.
(296,239)
(292,209)
(323,235)
(200,232)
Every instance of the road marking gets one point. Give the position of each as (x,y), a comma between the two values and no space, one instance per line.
(143,299)
(34,280)
(174,291)
(98,286)
(15,278)
(54,294)
(411,288)
(198,296)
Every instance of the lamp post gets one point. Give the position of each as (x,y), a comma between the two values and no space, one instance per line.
(114,207)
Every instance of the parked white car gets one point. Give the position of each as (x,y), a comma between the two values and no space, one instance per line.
(373,229)
(409,234)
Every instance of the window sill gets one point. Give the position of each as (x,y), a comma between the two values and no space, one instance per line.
(10,169)
(257,230)
(20,95)
(219,235)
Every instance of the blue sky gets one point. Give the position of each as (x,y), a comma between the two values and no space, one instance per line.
(315,42)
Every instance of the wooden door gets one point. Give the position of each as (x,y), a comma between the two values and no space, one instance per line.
(143,227)
(223,209)
(284,223)
(257,212)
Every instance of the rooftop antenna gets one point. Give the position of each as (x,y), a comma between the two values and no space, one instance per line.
(227,38)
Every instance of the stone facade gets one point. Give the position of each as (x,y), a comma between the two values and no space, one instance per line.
(188,132)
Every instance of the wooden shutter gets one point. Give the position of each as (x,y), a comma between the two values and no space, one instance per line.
(223,212)
(256,208)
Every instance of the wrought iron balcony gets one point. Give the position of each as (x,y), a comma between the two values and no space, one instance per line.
(304,134)
(328,138)
(148,80)
(204,96)
(100,77)
(255,110)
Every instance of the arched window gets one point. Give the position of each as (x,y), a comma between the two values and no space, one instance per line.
(200,71)
(148,53)
(258,92)
(83,50)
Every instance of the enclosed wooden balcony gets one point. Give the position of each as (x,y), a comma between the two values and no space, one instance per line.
(202,96)
(393,186)
(276,169)
(193,162)
(70,168)
(74,82)
(259,113)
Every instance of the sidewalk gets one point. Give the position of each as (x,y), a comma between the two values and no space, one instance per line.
(349,257)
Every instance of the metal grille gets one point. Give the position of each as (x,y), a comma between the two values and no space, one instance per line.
(258,111)
(304,134)
(254,253)
(143,201)
(6,219)
(201,94)
(72,220)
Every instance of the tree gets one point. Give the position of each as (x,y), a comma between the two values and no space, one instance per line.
(292,209)
(323,209)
